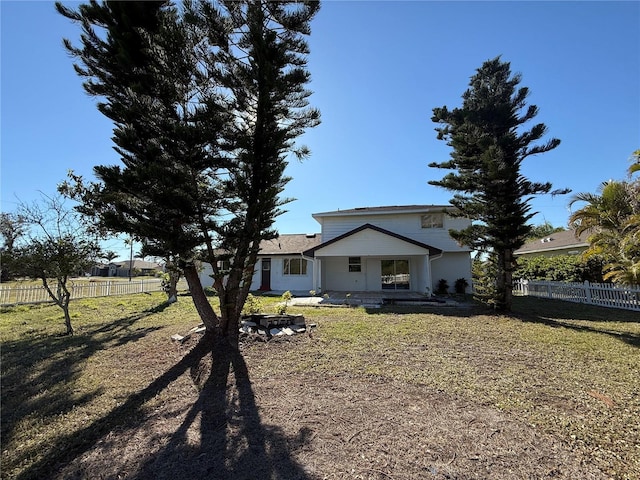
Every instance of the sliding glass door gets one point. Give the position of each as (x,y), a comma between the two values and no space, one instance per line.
(395,274)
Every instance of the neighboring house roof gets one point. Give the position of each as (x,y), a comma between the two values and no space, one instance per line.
(393,209)
(139,264)
(290,244)
(432,250)
(556,241)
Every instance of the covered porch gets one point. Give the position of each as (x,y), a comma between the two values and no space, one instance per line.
(371,259)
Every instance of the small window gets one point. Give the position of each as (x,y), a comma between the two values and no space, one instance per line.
(355,264)
(433,220)
(294,266)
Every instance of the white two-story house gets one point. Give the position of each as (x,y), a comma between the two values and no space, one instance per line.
(402,248)
(389,248)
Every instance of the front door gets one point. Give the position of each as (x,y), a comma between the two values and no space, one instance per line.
(265,283)
(395,274)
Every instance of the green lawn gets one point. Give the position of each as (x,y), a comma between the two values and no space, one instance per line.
(568,370)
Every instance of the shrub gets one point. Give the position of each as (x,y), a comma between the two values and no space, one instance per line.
(281,308)
(460,286)
(484,281)
(443,287)
(560,268)
(252,305)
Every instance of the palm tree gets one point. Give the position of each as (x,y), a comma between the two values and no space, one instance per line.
(109,256)
(613,220)
(635,162)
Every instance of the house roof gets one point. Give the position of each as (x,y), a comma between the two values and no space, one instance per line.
(140,264)
(556,241)
(388,210)
(290,244)
(432,250)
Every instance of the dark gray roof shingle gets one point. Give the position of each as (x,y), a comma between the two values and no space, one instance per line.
(555,241)
(387,209)
(290,244)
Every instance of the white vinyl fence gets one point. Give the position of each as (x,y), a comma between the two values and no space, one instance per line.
(17,295)
(601,294)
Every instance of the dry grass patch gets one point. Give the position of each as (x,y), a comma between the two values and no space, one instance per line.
(402,393)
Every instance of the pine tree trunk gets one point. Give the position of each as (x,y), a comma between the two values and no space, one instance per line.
(172,286)
(500,283)
(230,321)
(508,279)
(201,302)
(504,281)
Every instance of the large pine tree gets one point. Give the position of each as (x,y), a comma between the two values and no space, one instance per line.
(207,101)
(489,146)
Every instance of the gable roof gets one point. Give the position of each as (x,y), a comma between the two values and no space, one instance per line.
(432,250)
(556,241)
(392,209)
(290,244)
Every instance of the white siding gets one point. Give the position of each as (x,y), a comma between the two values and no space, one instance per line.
(451,266)
(204,274)
(367,243)
(336,275)
(256,280)
(374,246)
(405,224)
(279,282)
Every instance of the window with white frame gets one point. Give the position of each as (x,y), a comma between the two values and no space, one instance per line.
(433,220)
(294,266)
(355,264)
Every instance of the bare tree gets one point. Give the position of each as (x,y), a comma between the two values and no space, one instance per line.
(56,248)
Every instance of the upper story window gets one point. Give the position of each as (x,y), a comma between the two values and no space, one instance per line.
(355,264)
(294,266)
(433,220)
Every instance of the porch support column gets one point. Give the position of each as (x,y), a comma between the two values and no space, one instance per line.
(315,266)
(317,275)
(429,281)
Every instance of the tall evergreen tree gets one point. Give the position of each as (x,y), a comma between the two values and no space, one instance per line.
(489,147)
(207,101)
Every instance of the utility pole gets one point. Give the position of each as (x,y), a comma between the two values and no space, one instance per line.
(130,258)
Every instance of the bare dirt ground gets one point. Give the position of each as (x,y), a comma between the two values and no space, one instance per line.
(284,424)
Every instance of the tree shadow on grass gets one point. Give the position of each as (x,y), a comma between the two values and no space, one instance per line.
(554,313)
(629,338)
(464,310)
(565,310)
(559,314)
(233,445)
(38,374)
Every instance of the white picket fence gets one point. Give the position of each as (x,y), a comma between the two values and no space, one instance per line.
(602,294)
(33,294)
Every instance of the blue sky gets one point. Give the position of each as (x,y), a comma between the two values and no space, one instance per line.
(378,69)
